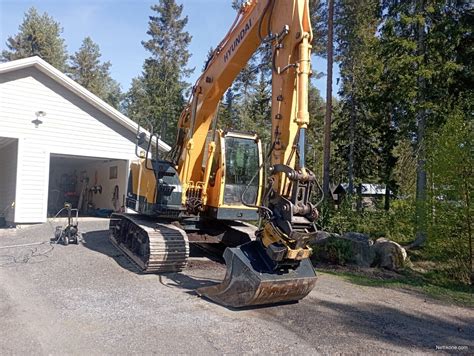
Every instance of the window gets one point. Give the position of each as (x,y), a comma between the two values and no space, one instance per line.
(242,163)
(113,172)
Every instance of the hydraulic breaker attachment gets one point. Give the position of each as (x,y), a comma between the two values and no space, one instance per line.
(251,279)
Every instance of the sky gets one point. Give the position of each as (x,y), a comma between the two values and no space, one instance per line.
(119,26)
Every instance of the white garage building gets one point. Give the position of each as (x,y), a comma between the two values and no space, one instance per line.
(58,142)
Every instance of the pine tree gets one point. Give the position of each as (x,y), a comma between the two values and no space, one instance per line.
(422,45)
(329,111)
(237,4)
(259,111)
(242,91)
(86,69)
(158,94)
(315,133)
(209,56)
(246,79)
(39,35)
(250,96)
(450,164)
(135,103)
(319,18)
(355,136)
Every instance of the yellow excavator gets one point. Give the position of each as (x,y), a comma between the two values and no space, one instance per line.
(213,180)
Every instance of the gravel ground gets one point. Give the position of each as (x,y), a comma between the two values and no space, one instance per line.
(90,299)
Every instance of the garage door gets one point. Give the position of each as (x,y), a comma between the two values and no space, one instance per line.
(8,164)
(96,186)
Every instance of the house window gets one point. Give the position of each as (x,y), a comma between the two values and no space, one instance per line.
(113,172)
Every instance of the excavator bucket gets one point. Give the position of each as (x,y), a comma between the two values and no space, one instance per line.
(249,281)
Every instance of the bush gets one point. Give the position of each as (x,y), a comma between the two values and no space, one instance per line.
(450,169)
(396,224)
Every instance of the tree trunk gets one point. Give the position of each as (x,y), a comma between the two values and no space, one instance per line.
(328,116)
(467,204)
(421,230)
(359,198)
(386,204)
(388,163)
(421,184)
(352,124)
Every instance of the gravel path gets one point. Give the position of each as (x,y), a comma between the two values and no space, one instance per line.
(88,299)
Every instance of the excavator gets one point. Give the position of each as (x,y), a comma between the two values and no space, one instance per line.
(214,180)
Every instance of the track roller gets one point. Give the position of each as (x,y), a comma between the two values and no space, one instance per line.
(154,247)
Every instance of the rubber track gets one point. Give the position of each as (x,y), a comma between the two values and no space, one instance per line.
(168,246)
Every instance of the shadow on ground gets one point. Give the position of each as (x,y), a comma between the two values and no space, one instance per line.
(98,241)
(372,321)
(189,283)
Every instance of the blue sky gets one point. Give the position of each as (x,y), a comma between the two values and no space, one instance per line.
(119,26)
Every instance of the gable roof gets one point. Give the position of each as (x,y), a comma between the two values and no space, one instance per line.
(77,89)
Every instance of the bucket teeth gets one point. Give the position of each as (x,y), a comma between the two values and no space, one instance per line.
(249,282)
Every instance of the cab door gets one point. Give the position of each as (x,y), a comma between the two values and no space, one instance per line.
(236,177)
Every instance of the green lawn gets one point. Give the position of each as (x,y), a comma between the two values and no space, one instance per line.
(409,280)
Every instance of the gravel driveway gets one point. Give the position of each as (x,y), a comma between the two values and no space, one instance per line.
(88,299)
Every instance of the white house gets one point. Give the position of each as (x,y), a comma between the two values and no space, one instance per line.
(58,142)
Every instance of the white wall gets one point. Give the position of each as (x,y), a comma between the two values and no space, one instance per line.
(71,126)
(8,158)
(32,182)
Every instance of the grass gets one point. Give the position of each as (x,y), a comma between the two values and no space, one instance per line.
(408,280)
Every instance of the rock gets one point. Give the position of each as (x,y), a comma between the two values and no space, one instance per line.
(322,236)
(353,248)
(361,246)
(357,236)
(358,249)
(389,254)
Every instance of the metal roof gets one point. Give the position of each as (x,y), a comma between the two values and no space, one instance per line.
(367,188)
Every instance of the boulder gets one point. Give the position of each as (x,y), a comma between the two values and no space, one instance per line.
(322,236)
(358,249)
(361,247)
(389,254)
(352,248)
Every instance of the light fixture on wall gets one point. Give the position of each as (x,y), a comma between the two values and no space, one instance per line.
(37,121)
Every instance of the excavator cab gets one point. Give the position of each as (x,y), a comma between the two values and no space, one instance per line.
(236,177)
(242,161)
